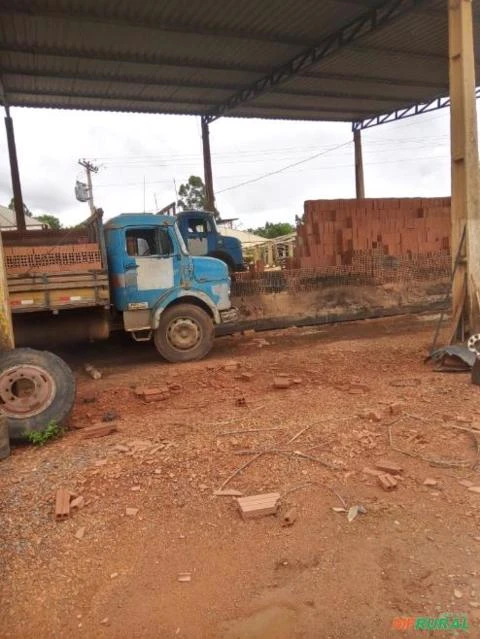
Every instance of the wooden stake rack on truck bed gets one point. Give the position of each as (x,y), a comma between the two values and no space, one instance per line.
(53,270)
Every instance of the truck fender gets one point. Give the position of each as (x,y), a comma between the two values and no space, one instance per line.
(179,294)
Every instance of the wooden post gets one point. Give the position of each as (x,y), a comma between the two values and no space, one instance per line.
(6,329)
(207,167)
(359,180)
(464,163)
(14,172)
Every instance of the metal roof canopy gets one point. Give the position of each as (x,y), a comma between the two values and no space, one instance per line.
(329,60)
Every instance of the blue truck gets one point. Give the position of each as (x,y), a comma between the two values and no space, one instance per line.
(200,232)
(133,273)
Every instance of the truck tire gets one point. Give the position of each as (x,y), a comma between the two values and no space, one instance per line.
(185,333)
(36,388)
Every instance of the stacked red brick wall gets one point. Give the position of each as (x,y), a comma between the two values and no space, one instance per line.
(332,232)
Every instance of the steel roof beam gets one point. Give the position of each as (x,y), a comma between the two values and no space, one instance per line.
(147,59)
(342,77)
(378,50)
(407,112)
(157,82)
(121,78)
(83,15)
(368,22)
(306,109)
(166,100)
(102,96)
(231,86)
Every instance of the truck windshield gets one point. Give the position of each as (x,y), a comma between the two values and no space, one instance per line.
(181,241)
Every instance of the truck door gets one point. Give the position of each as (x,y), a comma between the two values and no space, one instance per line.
(149,265)
(198,235)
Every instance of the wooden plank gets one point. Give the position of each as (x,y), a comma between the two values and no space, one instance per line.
(58,277)
(458,312)
(258,505)
(7,341)
(54,286)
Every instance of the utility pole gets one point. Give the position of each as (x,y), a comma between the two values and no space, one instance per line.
(207,167)
(359,179)
(89,168)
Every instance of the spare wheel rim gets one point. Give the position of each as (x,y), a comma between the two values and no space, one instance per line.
(26,390)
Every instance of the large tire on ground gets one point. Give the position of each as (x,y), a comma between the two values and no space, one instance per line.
(185,333)
(36,388)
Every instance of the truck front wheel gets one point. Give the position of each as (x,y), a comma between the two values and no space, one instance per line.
(36,388)
(185,333)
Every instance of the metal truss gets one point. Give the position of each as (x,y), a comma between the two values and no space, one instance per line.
(368,22)
(406,112)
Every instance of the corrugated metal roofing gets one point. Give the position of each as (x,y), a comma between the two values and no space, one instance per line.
(191,57)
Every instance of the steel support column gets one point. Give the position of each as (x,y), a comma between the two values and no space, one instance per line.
(207,167)
(464,164)
(16,185)
(359,180)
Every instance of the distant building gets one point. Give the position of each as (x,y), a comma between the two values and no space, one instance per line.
(8,220)
(272,252)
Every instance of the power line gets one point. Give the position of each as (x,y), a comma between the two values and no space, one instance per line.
(313,169)
(285,168)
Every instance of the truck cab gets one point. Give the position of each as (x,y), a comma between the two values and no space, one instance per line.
(161,290)
(200,232)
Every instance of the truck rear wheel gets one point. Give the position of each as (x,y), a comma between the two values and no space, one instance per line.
(36,388)
(185,333)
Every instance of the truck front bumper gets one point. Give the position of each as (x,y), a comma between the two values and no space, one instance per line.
(232,315)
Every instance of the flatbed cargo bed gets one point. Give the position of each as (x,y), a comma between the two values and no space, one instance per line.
(53,270)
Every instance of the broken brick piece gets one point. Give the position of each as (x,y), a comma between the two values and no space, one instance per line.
(372,471)
(99,430)
(282,382)
(395,409)
(387,482)
(258,505)
(153,394)
(389,467)
(289,517)
(80,532)
(231,366)
(62,504)
(228,492)
(371,415)
(77,502)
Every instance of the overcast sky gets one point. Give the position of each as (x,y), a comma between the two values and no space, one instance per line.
(406,158)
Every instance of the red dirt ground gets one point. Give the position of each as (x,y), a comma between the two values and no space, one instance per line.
(414,553)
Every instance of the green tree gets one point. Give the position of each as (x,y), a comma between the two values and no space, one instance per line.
(192,194)
(273,229)
(50,220)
